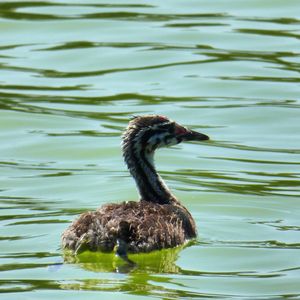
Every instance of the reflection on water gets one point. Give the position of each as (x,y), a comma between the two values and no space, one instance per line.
(72,75)
(155,262)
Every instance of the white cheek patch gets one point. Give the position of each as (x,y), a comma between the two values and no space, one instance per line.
(162,140)
(172,141)
(157,139)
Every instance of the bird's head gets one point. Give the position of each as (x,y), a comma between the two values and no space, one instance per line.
(150,132)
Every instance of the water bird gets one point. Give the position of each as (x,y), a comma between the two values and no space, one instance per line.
(158,220)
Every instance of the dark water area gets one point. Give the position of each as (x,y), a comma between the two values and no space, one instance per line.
(72,75)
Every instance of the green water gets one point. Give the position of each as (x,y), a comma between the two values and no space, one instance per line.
(73,72)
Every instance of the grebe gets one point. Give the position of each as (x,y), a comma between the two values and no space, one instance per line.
(158,220)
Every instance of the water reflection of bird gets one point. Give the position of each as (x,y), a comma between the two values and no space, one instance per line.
(155,222)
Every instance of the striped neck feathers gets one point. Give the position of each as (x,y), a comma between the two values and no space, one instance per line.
(139,157)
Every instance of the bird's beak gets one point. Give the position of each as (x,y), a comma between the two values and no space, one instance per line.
(190,135)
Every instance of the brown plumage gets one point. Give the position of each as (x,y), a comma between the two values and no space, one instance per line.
(158,220)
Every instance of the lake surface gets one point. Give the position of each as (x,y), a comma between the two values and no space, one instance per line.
(73,73)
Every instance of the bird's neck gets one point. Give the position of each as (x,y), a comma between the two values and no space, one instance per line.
(150,185)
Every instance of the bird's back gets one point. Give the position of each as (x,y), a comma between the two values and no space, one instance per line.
(144,226)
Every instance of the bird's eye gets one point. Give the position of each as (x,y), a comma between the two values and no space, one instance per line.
(162,127)
(170,127)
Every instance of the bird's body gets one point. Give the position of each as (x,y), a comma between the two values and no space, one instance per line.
(143,226)
(155,222)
